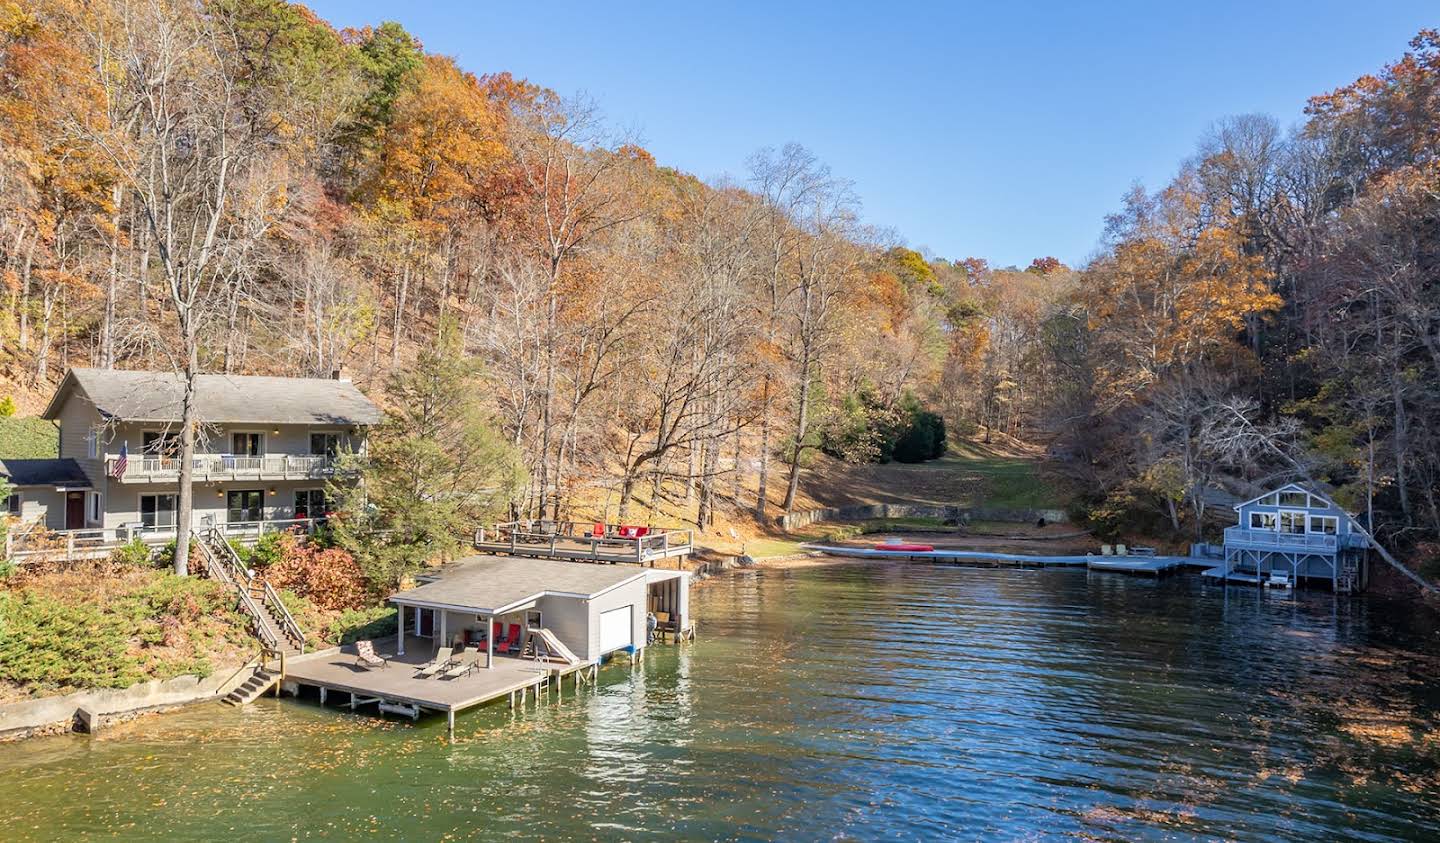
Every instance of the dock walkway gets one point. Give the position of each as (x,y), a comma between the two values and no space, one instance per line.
(1147,565)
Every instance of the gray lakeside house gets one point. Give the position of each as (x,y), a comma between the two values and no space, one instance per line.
(266,449)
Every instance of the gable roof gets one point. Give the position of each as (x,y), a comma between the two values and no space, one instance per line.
(1292,487)
(58,472)
(221,399)
(494,584)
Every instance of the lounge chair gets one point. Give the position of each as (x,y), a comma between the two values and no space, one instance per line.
(365,655)
(463,664)
(512,641)
(1106,550)
(443,657)
(1121,551)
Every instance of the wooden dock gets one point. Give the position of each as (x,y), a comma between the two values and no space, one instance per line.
(395,688)
(1144,565)
(574,541)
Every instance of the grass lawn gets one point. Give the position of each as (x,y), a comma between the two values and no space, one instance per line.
(28,438)
(1010,482)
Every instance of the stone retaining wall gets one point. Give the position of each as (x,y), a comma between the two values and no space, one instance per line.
(49,715)
(865,512)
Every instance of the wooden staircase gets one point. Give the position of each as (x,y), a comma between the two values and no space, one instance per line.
(262,680)
(272,624)
(1349,577)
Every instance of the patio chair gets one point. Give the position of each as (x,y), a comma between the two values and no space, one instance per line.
(513,640)
(463,664)
(1106,550)
(1121,551)
(365,655)
(443,657)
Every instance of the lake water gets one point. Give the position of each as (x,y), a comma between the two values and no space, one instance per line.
(853,701)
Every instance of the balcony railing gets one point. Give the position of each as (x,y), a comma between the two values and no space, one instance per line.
(1281,541)
(227,466)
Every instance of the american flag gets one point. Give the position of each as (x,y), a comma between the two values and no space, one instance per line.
(117,468)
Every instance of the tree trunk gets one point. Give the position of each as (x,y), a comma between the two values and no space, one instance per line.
(761,504)
(185,500)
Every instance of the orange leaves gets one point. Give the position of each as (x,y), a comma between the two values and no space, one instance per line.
(445,137)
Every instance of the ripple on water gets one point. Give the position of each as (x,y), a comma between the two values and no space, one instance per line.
(894,701)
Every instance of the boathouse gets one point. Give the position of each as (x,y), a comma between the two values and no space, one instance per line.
(1295,534)
(484,628)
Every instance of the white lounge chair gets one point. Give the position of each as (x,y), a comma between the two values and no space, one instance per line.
(1106,550)
(443,657)
(1121,551)
(463,664)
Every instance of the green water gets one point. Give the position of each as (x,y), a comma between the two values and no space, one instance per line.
(856,701)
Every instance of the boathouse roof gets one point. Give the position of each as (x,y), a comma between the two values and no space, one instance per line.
(142,396)
(494,585)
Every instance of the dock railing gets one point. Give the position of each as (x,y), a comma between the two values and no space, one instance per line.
(578,540)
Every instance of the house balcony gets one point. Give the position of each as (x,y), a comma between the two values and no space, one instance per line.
(1271,540)
(222,467)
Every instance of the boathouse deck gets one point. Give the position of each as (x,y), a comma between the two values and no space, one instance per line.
(579,542)
(396,688)
(1145,565)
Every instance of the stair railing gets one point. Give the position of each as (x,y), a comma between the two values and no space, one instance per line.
(270,598)
(237,581)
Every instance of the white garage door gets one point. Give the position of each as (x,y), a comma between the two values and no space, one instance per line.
(616,629)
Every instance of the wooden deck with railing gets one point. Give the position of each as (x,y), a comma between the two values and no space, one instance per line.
(30,543)
(208,467)
(586,541)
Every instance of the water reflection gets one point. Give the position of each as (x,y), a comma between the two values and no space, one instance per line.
(868,701)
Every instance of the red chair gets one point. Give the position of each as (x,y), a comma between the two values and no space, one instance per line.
(641,532)
(512,643)
(495,633)
(599,531)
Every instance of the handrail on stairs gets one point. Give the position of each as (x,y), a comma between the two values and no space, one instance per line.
(221,571)
(270,599)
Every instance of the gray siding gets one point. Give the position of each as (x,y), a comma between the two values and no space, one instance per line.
(122,504)
(631,594)
(77,419)
(42,505)
(569,619)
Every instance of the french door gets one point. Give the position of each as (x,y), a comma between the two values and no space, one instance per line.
(246,505)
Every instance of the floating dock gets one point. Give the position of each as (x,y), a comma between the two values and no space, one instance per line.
(1143,565)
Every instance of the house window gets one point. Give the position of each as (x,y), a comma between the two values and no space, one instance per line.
(1268,500)
(247,444)
(325,445)
(310,503)
(1292,522)
(1294,499)
(157,511)
(243,506)
(1262,521)
(95,507)
(92,444)
(159,443)
(1328,524)
(533,619)
(12,505)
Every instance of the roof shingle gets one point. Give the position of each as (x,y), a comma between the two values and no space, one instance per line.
(221,399)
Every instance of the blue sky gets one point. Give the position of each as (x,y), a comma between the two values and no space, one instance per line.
(1002,130)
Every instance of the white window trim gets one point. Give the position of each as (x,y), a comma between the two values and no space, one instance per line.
(230,441)
(1275,516)
(96,514)
(1334,520)
(174,506)
(1304,521)
(92,444)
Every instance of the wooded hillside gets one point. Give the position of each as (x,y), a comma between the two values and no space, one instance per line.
(237,185)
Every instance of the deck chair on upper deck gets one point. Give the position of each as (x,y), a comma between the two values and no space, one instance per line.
(443,657)
(365,655)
